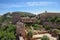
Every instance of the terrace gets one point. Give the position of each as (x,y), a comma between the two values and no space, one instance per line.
(37,34)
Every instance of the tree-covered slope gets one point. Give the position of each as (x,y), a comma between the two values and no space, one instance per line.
(24,14)
(11,15)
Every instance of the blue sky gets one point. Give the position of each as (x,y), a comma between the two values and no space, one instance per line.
(33,6)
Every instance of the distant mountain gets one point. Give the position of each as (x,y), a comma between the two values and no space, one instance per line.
(24,14)
(21,14)
(18,14)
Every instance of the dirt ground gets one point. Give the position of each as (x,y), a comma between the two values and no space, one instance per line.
(41,35)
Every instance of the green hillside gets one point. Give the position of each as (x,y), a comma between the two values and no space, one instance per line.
(10,16)
(24,14)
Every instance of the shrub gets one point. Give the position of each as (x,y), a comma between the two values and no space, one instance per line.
(8,32)
(30,33)
(36,27)
(47,27)
(56,31)
(45,38)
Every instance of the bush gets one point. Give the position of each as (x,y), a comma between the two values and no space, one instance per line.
(56,31)
(47,27)
(8,32)
(45,38)
(36,27)
(30,33)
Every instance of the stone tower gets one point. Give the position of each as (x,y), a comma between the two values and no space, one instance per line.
(20,30)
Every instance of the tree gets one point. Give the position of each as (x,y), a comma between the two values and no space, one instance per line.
(1,20)
(57,20)
(54,19)
(8,32)
(30,34)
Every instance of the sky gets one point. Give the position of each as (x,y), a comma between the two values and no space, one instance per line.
(33,6)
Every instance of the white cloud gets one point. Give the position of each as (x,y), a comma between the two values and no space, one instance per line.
(40,3)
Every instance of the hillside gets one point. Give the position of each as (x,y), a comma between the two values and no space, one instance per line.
(11,16)
(23,14)
(9,22)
